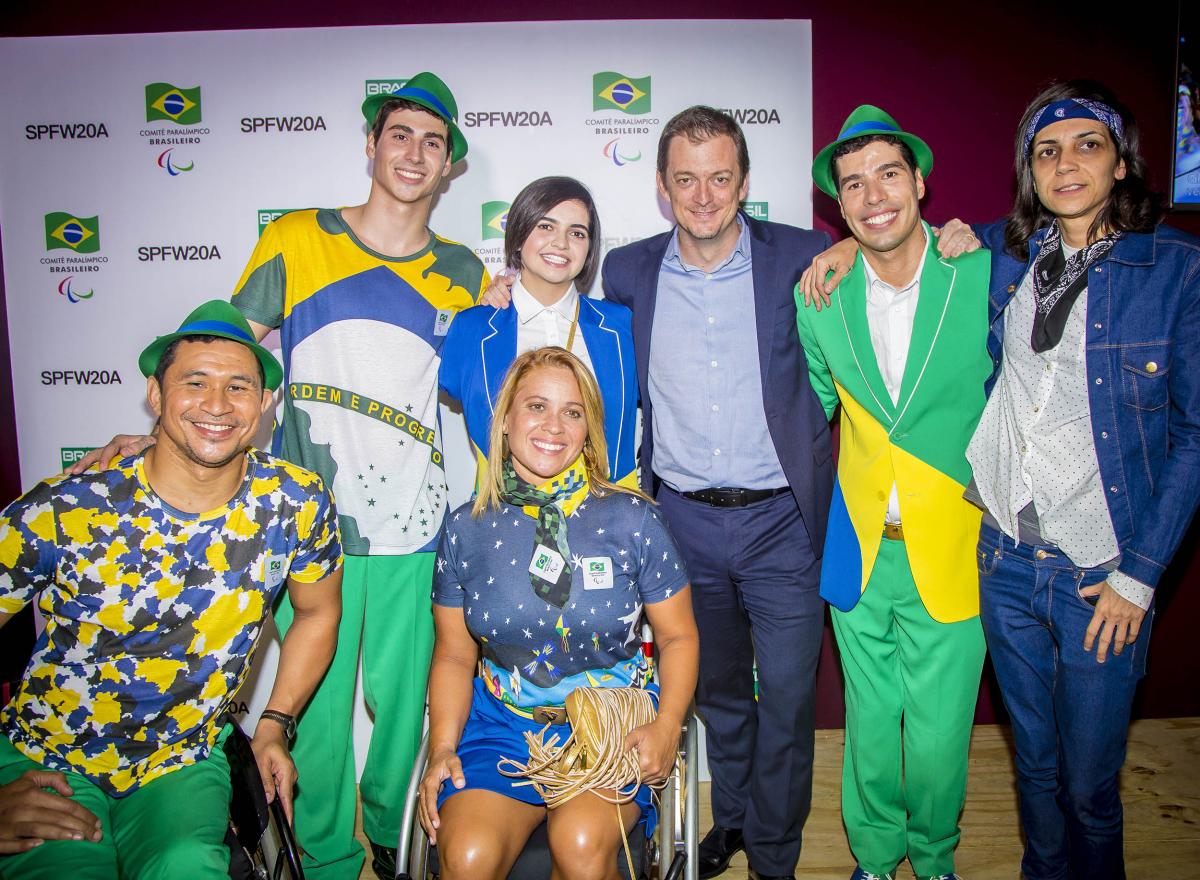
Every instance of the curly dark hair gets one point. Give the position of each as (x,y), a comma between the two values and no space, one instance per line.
(1132,206)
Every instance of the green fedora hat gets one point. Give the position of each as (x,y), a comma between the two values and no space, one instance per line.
(215,318)
(867,120)
(428,90)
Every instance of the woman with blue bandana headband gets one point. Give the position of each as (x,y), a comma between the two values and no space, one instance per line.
(1086,460)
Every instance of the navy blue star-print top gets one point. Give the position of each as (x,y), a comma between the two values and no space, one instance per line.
(622,558)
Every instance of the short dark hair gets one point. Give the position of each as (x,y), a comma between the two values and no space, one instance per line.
(536,201)
(168,356)
(1132,206)
(701,123)
(391,105)
(855,144)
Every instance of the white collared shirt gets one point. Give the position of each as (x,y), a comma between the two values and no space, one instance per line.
(1034,443)
(539,325)
(891,312)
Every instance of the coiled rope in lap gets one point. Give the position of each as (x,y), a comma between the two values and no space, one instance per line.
(593,758)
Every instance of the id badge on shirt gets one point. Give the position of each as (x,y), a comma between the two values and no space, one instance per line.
(546,564)
(441,322)
(597,573)
(274,571)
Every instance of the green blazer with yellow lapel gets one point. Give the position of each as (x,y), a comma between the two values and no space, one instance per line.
(919,443)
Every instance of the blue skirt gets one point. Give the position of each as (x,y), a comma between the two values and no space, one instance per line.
(494,731)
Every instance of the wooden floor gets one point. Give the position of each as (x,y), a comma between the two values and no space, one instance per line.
(1160,787)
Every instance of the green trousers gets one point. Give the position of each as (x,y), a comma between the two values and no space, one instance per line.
(386,610)
(170,828)
(911,686)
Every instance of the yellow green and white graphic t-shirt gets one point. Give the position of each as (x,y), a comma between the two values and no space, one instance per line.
(362,337)
(151,614)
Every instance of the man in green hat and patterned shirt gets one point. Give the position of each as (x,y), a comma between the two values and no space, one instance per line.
(902,348)
(363,297)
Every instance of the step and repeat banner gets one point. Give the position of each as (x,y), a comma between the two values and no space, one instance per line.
(137,171)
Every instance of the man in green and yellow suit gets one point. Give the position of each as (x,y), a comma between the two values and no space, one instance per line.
(902,348)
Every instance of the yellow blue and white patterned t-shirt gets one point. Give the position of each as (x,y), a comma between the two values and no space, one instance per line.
(151,614)
(362,337)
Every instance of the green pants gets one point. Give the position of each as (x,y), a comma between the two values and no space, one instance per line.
(387,610)
(170,828)
(911,685)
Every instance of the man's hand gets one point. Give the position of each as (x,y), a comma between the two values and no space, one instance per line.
(955,238)
(29,816)
(121,446)
(1116,621)
(443,764)
(838,259)
(657,744)
(499,293)
(275,764)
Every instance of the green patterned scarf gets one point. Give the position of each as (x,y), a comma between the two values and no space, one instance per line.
(550,503)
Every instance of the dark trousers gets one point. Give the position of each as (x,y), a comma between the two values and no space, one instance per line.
(755,592)
(1070,714)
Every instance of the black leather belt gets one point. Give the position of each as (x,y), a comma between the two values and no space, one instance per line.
(722,496)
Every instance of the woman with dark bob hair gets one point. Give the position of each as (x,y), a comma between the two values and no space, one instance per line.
(539,589)
(552,240)
(1086,460)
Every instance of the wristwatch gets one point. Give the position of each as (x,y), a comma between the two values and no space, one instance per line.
(286,721)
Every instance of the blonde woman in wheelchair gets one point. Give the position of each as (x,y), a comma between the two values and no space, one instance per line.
(540,588)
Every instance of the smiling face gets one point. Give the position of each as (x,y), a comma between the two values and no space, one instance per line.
(556,248)
(410,157)
(546,426)
(209,403)
(879,196)
(1075,165)
(704,186)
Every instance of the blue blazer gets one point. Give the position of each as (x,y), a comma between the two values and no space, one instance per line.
(795,418)
(482,344)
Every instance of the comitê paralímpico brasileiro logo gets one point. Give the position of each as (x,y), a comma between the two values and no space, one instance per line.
(495,219)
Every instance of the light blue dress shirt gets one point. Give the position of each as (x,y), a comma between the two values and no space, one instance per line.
(710,428)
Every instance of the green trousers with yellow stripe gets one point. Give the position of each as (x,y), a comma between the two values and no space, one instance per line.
(386,611)
(911,686)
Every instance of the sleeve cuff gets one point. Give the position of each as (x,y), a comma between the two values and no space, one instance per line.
(1131,590)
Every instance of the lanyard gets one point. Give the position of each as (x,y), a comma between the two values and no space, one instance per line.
(574,324)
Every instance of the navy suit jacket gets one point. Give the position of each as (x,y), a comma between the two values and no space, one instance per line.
(795,419)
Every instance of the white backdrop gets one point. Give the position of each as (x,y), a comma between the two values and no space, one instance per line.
(135,172)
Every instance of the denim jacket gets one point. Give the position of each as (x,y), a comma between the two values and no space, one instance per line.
(1143,367)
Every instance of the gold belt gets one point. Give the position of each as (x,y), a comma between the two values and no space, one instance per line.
(540,714)
(893,531)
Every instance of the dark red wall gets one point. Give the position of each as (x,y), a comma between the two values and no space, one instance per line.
(958,74)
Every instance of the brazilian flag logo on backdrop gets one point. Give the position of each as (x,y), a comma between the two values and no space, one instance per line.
(79,234)
(495,218)
(616,90)
(165,101)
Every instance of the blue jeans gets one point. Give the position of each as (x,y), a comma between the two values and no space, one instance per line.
(1070,714)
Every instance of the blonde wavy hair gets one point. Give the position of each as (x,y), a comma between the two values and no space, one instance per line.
(595,449)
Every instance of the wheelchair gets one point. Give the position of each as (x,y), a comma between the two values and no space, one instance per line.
(260,840)
(671,855)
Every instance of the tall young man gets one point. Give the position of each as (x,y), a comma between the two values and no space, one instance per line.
(363,297)
(155,577)
(903,349)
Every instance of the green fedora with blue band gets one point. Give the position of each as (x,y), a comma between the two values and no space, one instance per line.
(428,90)
(214,318)
(867,120)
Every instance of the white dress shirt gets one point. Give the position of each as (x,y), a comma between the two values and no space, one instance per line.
(539,325)
(890,315)
(1034,443)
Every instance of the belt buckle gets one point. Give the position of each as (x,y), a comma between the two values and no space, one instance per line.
(549,714)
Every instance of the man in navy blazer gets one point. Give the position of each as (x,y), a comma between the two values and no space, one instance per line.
(736,449)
